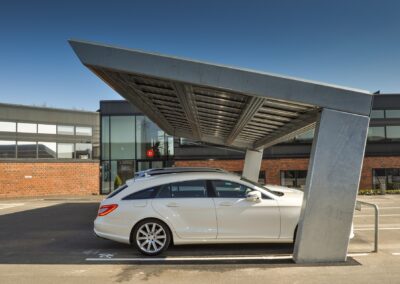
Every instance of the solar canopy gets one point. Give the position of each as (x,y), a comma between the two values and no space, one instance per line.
(253,110)
(214,103)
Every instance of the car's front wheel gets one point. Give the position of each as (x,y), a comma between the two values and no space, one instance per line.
(151,237)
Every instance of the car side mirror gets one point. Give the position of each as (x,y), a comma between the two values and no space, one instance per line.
(254,196)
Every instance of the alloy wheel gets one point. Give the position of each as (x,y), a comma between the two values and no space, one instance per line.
(151,238)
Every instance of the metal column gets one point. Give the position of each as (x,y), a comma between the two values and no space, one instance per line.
(252,164)
(332,183)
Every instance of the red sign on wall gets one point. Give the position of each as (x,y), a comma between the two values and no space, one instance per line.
(150,153)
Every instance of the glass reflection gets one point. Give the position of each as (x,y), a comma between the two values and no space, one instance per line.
(7,149)
(26,149)
(47,150)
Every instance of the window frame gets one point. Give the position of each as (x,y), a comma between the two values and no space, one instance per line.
(263,195)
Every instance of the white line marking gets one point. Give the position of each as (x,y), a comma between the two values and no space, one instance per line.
(396,253)
(380,215)
(381,208)
(373,229)
(169,259)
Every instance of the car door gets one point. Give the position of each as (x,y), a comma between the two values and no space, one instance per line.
(239,218)
(188,208)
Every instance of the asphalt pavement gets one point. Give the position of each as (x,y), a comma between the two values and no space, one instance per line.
(49,240)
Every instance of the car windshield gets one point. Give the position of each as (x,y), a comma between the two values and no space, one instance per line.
(259,185)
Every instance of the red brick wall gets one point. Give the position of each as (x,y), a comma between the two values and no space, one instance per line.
(274,166)
(48,179)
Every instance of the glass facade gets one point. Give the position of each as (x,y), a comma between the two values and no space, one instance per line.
(125,140)
(48,141)
(386,179)
(294,179)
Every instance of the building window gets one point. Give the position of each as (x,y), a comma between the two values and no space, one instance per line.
(83,151)
(65,150)
(105,137)
(294,179)
(27,127)
(393,133)
(6,126)
(47,150)
(149,136)
(122,137)
(7,149)
(376,133)
(386,179)
(392,113)
(65,130)
(378,114)
(26,149)
(83,131)
(47,129)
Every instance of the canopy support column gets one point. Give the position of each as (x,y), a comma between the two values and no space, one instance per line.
(332,183)
(252,164)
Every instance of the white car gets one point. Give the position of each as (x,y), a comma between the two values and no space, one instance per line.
(197,206)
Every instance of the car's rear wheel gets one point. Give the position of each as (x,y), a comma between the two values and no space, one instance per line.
(151,237)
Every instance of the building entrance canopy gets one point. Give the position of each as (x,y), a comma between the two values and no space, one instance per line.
(253,110)
(213,103)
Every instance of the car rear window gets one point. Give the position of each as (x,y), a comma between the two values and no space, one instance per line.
(118,190)
(142,194)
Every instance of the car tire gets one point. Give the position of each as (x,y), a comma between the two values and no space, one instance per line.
(151,237)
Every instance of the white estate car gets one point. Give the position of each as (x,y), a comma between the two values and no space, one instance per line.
(193,206)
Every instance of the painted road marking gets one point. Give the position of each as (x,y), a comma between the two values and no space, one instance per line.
(381,208)
(373,229)
(10,205)
(396,253)
(380,215)
(167,259)
(222,258)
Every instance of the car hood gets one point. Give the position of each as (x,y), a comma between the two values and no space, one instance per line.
(287,192)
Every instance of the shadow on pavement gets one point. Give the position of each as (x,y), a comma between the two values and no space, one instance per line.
(62,234)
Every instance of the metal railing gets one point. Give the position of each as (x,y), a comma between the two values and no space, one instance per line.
(358,207)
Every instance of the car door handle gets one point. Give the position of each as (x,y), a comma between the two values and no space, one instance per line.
(226,204)
(172,204)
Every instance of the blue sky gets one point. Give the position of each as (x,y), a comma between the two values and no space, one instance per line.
(352,43)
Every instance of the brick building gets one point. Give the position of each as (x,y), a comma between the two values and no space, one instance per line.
(46,151)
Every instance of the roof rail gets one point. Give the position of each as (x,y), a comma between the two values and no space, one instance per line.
(172,170)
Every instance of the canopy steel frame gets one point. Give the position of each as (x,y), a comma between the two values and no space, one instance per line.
(253,110)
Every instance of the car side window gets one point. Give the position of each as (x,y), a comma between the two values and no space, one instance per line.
(185,189)
(142,194)
(229,189)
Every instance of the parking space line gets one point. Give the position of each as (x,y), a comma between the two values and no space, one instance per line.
(205,259)
(380,215)
(373,229)
(382,208)
(168,259)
